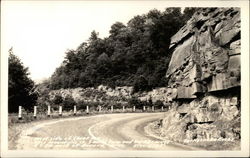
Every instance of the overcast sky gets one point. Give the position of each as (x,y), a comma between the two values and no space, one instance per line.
(41,32)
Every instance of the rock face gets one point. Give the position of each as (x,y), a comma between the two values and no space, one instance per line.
(96,95)
(204,73)
(206,53)
(158,94)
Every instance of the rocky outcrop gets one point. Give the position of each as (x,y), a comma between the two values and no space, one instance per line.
(100,94)
(206,54)
(158,94)
(204,74)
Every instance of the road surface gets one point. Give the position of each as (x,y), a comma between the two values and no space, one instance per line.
(100,132)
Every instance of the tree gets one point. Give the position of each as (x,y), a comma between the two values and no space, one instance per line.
(21,87)
(116,28)
(140,84)
(188,12)
(68,103)
(158,104)
(136,54)
(43,92)
(57,99)
(93,36)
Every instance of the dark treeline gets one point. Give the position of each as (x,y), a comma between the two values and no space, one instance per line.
(135,54)
(20,86)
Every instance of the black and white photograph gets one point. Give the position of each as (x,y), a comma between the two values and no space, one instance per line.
(124,78)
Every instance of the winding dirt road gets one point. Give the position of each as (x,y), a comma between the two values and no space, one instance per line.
(100,132)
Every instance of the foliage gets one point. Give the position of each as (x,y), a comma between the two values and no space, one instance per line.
(57,99)
(140,83)
(136,54)
(43,99)
(20,86)
(68,103)
(138,103)
(81,105)
(189,11)
(158,104)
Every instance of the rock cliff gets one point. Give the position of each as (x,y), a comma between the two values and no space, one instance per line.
(204,76)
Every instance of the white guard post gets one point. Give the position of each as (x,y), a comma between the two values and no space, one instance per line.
(48,110)
(60,110)
(74,109)
(19,112)
(100,108)
(87,109)
(35,110)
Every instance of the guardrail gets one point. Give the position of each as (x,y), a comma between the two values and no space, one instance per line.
(88,110)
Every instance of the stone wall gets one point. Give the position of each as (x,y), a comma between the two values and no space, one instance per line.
(204,74)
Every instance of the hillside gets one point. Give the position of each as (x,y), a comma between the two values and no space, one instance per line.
(136,54)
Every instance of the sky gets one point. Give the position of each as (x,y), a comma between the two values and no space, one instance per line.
(41,32)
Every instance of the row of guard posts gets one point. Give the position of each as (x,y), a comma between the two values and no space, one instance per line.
(60,112)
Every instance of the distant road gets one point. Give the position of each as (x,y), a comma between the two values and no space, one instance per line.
(100,132)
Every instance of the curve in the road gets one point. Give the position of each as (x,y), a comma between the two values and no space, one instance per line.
(112,131)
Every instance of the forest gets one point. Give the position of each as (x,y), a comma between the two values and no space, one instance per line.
(136,54)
